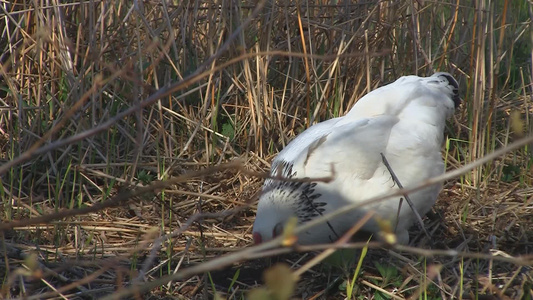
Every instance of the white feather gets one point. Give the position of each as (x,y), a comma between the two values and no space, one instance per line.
(403,120)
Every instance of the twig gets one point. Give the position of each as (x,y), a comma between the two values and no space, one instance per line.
(88,279)
(384,291)
(126,195)
(161,93)
(523,260)
(343,240)
(35,150)
(439,179)
(279,177)
(258,251)
(121,197)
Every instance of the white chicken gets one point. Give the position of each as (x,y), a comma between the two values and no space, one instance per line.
(404,121)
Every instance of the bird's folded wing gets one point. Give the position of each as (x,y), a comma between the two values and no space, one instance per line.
(350,149)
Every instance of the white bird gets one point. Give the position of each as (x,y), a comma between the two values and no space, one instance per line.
(404,121)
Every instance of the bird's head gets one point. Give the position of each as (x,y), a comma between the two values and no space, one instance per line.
(452,86)
(272,214)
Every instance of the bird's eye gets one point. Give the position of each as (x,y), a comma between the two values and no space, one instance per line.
(277,231)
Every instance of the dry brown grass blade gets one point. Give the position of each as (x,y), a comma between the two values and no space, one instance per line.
(256,251)
(345,238)
(120,198)
(306,61)
(122,94)
(164,92)
(199,73)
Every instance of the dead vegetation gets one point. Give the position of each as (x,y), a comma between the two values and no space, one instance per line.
(118,120)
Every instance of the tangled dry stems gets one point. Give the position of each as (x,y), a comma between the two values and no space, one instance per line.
(100,99)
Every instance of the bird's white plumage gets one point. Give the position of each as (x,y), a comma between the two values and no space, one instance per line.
(403,120)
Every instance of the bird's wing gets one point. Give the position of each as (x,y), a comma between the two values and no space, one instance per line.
(294,149)
(346,151)
(349,149)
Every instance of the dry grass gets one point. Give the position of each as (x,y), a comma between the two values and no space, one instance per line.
(116,121)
